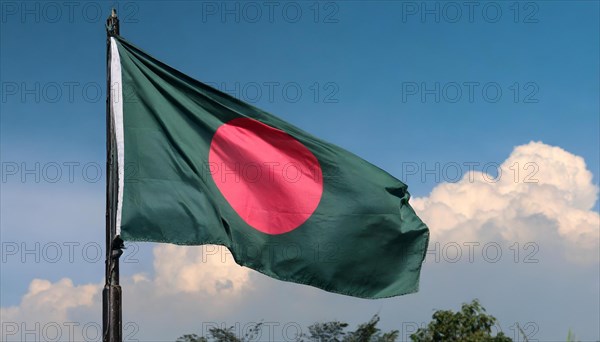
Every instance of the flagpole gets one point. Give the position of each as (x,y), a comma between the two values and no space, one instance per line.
(111,294)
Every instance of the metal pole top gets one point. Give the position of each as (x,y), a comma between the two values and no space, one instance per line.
(112,24)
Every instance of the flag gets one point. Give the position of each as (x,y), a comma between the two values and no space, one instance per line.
(196,166)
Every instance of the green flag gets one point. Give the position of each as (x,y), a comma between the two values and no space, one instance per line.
(196,166)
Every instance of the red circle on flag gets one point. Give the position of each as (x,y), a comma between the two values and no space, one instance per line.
(272,181)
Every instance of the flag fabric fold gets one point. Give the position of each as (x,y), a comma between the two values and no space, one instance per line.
(197,166)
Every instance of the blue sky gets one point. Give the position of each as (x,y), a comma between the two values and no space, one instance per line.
(379,78)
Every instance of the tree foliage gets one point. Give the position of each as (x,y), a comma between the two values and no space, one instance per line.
(335,332)
(470,324)
(225,335)
(328,331)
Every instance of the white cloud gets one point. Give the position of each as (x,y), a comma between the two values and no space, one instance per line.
(43,313)
(208,270)
(540,190)
(51,301)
